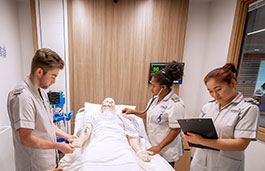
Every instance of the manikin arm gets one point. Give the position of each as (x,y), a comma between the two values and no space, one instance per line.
(140,114)
(84,135)
(135,144)
(61,133)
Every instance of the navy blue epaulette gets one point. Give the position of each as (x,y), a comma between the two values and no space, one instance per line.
(175,99)
(18,90)
(251,100)
(211,101)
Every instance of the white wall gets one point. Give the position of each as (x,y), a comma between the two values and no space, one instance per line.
(219,31)
(194,56)
(16,35)
(208,33)
(10,67)
(25,34)
(255,156)
(6,149)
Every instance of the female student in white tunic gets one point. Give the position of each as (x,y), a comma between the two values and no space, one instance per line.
(162,114)
(235,119)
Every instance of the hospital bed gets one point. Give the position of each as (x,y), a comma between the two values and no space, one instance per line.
(73,162)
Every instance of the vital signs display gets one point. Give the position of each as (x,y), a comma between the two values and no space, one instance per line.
(154,67)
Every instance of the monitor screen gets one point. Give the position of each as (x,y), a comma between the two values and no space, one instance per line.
(154,67)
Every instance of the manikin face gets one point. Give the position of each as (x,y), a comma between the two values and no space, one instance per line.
(45,81)
(108,104)
(222,92)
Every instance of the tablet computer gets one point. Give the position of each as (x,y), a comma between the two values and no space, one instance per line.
(201,126)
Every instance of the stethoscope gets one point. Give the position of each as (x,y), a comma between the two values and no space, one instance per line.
(154,97)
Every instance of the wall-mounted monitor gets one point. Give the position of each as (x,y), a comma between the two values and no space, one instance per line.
(154,67)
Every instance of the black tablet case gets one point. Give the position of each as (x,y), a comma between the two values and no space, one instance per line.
(201,126)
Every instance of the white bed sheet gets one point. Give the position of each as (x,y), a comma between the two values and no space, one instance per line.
(77,160)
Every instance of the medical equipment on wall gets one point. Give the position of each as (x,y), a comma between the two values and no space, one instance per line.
(60,118)
(154,67)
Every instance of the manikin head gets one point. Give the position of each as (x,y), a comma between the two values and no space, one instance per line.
(108,104)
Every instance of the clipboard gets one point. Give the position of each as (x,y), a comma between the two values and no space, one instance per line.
(201,126)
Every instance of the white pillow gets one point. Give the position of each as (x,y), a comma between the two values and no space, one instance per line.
(92,108)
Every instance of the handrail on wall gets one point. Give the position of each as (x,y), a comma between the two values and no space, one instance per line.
(4,129)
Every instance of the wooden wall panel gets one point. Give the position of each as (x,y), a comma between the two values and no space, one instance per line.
(34,24)
(238,31)
(112,44)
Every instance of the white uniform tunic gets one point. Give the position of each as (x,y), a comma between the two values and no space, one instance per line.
(160,118)
(238,119)
(27,109)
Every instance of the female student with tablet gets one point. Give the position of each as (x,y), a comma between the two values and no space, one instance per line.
(235,119)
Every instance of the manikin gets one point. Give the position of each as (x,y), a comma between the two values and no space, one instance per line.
(108,110)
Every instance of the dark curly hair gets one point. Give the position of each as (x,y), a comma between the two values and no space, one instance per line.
(166,76)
